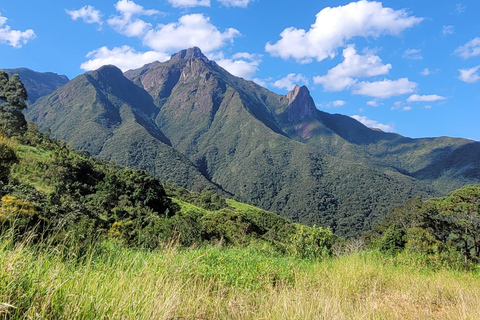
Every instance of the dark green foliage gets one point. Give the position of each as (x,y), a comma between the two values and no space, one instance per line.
(392,241)
(189,122)
(312,243)
(437,226)
(84,200)
(38,84)
(7,158)
(13,98)
(206,199)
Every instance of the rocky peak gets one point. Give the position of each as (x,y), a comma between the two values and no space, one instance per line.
(300,104)
(107,72)
(190,53)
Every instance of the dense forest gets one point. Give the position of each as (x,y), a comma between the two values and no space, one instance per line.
(86,238)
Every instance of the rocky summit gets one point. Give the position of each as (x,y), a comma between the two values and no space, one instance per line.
(191,123)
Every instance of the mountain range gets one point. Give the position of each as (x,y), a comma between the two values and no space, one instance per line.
(191,123)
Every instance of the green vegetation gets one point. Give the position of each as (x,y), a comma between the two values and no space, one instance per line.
(190,123)
(113,282)
(56,192)
(442,229)
(86,239)
(13,98)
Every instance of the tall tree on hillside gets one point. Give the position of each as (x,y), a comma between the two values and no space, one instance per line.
(12,102)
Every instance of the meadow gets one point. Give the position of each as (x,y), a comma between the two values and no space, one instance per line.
(111,281)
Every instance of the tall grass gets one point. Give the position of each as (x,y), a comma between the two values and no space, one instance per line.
(114,282)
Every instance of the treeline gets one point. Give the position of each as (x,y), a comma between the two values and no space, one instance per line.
(51,192)
(443,230)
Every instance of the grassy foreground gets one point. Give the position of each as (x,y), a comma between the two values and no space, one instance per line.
(113,282)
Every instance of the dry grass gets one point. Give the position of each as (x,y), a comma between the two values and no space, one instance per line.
(214,283)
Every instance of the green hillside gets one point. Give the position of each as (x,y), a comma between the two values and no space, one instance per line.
(189,122)
(38,84)
(62,194)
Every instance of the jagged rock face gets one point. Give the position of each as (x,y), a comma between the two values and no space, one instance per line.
(187,54)
(300,104)
(275,151)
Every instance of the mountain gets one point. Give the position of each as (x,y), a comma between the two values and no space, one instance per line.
(38,84)
(105,114)
(274,151)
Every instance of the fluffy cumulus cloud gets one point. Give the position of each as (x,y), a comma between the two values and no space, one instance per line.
(241,64)
(14,38)
(374,124)
(87,13)
(127,22)
(334,26)
(386,88)
(469,75)
(470,49)
(190,30)
(353,66)
(290,81)
(425,98)
(189,3)
(235,3)
(124,57)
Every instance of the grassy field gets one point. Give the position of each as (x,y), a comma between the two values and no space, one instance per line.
(113,282)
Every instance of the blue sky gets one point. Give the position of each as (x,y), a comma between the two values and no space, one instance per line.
(407,66)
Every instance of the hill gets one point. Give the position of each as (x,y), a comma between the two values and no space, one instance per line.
(273,151)
(38,84)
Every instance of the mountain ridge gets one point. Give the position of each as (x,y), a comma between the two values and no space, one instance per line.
(274,151)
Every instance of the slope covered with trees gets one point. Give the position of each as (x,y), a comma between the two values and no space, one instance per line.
(190,122)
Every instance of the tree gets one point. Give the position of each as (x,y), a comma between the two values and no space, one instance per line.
(460,211)
(13,98)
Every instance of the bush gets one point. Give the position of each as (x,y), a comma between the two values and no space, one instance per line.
(311,242)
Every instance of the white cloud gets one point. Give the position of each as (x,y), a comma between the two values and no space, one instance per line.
(334,26)
(460,8)
(353,66)
(374,124)
(190,30)
(400,106)
(425,72)
(338,103)
(87,13)
(130,8)
(372,103)
(262,82)
(470,49)
(290,81)
(14,38)
(189,3)
(386,88)
(241,64)
(126,23)
(414,54)
(425,98)
(448,30)
(469,75)
(235,3)
(332,104)
(124,57)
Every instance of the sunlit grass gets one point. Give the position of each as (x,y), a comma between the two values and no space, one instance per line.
(113,282)
(32,167)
